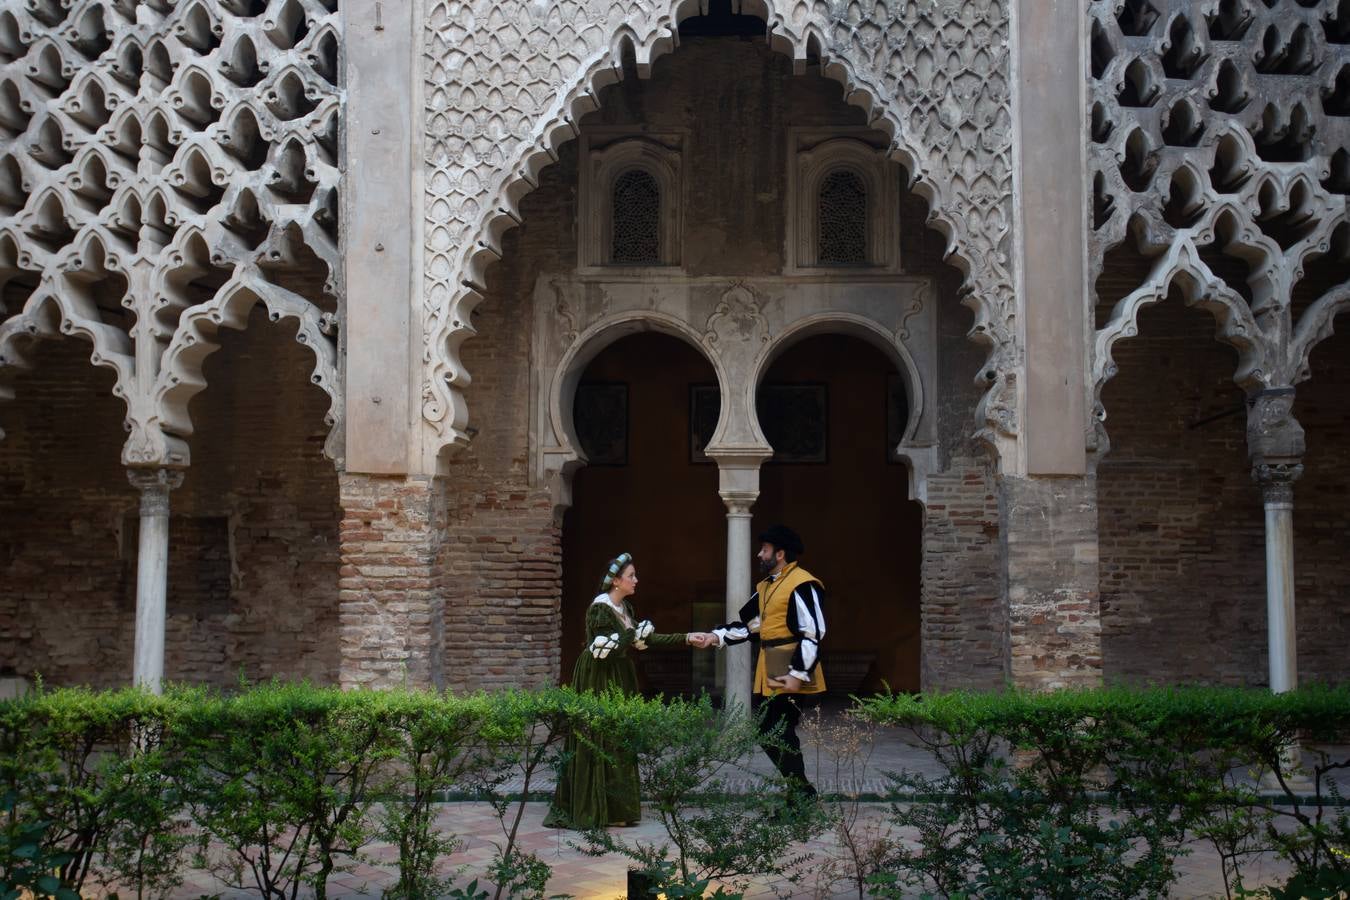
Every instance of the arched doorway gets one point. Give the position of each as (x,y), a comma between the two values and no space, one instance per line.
(646,493)
(832,406)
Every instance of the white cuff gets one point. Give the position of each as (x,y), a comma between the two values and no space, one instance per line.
(800,676)
(602,645)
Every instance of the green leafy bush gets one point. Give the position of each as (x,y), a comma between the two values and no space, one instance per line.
(1096,793)
(1074,794)
(82,775)
(724,822)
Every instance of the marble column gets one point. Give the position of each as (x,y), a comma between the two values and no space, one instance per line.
(1276,445)
(152,573)
(1277,494)
(739,551)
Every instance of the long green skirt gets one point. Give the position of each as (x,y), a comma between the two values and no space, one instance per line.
(598,787)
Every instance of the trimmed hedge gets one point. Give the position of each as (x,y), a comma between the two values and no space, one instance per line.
(1096,793)
(1072,794)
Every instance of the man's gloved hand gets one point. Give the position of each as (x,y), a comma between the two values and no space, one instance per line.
(602,645)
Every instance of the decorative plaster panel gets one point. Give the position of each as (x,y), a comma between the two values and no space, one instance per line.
(161,163)
(1221,130)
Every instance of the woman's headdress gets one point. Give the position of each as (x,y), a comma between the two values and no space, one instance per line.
(616,565)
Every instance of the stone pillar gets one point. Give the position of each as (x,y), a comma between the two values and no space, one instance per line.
(1275,444)
(740,549)
(738,485)
(1050,185)
(152,573)
(381,205)
(391,613)
(1049,532)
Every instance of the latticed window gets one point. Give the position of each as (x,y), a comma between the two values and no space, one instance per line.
(841,217)
(636,219)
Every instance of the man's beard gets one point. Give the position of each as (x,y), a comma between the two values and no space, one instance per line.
(766,565)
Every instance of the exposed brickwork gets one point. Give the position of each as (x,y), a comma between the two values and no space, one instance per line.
(392,616)
(1049,529)
(502,581)
(963,625)
(1182,535)
(252,537)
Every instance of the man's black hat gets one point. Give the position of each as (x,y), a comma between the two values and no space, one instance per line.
(783,538)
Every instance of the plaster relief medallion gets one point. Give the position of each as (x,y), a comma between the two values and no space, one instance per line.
(738,318)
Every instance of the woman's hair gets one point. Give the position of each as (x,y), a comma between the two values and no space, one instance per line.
(616,567)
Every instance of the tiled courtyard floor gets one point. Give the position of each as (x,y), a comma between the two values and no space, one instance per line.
(582,876)
(828,754)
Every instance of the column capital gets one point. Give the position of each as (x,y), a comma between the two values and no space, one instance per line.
(738,503)
(154,485)
(1277,480)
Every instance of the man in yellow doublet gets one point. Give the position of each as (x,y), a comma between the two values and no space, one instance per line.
(786,613)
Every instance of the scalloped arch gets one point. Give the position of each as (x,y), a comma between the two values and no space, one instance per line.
(1182,266)
(975,223)
(180,376)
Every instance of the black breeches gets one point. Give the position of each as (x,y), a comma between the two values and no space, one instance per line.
(783,747)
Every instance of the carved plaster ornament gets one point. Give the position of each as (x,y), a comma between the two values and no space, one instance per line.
(167,146)
(738,318)
(1187,153)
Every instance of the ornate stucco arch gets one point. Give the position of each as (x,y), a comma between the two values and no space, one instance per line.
(562,456)
(918,445)
(505,84)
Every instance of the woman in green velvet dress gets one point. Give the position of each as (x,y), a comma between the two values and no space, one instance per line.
(596,789)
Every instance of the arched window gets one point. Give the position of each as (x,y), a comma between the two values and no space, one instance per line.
(841,219)
(628,204)
(635,233)
(842,194)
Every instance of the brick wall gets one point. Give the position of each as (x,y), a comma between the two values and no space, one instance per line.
(253,533)
(1050,552)
(1181,522)
(391,615)
(963,621)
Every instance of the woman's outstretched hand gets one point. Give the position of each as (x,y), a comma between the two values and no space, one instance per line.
(702,639)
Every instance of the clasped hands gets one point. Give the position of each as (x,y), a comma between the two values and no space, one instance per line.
(703,639)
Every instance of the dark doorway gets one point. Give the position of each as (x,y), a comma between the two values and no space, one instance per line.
(850,504)
(647,494)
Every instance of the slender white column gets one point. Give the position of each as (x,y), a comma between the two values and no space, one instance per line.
(739,552)
(1277,491)
(152,573)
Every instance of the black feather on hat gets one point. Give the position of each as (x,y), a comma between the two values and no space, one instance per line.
(783,538)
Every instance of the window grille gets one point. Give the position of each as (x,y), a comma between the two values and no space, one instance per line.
(636,208)
(841,217)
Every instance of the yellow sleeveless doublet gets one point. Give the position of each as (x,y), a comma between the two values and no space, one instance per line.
(774,597)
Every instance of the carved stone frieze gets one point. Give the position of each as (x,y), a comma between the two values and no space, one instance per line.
(162,164)
(505,83)
(1219,139)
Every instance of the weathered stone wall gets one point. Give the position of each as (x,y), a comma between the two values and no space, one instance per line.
(1050,552)
(252,539)
(1181,529)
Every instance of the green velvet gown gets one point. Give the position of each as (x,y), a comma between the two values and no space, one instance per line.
(596,790)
